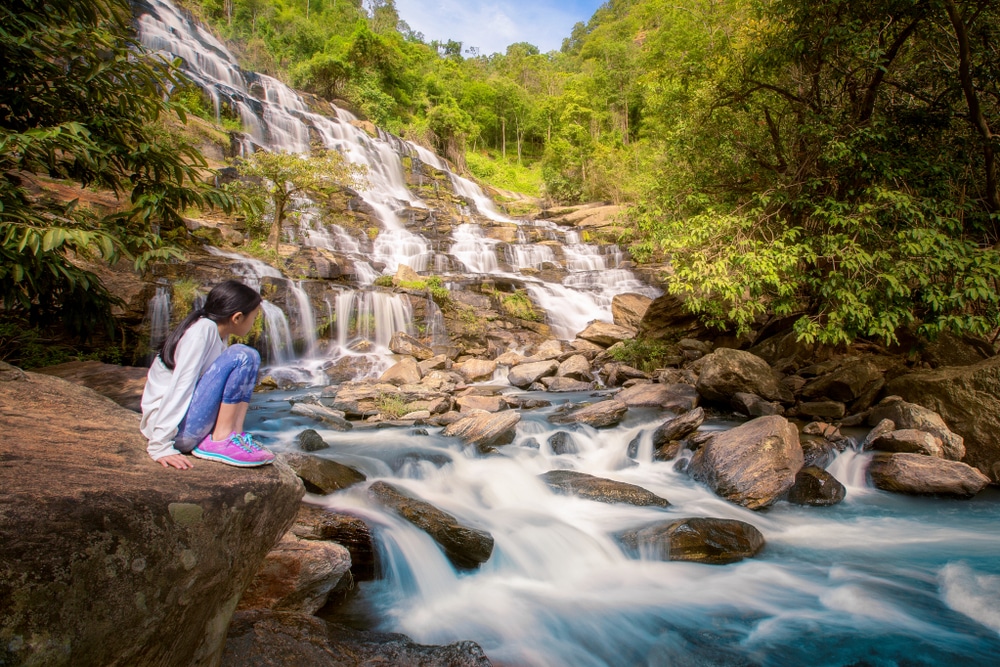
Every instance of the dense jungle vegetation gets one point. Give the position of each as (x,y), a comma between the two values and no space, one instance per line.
(833,162)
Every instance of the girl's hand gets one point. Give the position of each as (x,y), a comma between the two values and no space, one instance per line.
(178,461)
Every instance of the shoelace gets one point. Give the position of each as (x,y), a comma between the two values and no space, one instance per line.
(247,439)
(237,439)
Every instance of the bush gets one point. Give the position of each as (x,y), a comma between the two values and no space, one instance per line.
(643,353)
(520,306)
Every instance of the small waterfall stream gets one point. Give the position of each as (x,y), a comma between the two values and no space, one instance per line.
(878,580)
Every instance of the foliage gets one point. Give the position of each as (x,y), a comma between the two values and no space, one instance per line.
(520,306)
(278,178)
(643,353)
(80,101)
(391,405)
(506,174)
(183,294)
(432,285)
(383,281)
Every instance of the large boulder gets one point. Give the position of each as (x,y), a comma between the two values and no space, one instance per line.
(575,367)
(912,416)
(602,490)
(845,384)
(752,465)
(909,440)
(475,370)
(668,318)
(627,310)
(678,428)
(465,547)
(268,638)
(102,548)
(321,476)
(484,430)
(726,372)
(297,575)
(606,334)
(701,540)
(599,415)
(815,486)
(925,475)
(404,371)
(334,419)
(523,375)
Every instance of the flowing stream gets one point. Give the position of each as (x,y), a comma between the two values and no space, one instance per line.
(878,580)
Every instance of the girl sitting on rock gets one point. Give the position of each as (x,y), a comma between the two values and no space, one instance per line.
(198,388)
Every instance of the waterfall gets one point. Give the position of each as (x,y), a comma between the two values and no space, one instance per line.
(307,320)
(476,252)
(158,315)
(371,316)
(277,334)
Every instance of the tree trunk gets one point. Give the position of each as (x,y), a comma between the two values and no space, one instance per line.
(503,136)
(274,238)
(976,116)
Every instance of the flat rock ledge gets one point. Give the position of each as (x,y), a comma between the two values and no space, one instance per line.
(101,548)
(917,474)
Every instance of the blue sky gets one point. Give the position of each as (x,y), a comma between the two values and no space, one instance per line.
(491,25)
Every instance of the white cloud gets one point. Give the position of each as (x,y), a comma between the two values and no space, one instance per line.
(492,26)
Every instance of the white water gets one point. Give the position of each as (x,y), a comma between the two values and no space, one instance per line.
(277,334)
(158,315)
(876,580)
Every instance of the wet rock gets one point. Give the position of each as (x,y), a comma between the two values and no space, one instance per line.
(443,381)
(405,371)
(726,372)
(678,428)
(522,403)
(599,415)
(570,482)
(558,384)
(436,363)
(465,547)
(753,405)
(605,334)
(487,403)
(122,384)
(883,427)
(101,548)
(817,452)
(319,523)
(585,346)
(523,375)
(334,419)
(616,374)
(405,344)
(700,540)
(575,367)
(297,575)
(509,359)
(815,486)
(348,368)
(911,441)
(484,430)
(925,475)
(321,476)
(561,442)
(628,309)
(550,349)
(823,409)
(358,399)
(311,441)
(476,370)
(266,638)
(752,465)
(912,416)
(672,397)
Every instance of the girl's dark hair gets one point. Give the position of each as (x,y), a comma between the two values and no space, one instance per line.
(225,300)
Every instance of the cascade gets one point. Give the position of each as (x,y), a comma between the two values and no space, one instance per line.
(277,334)
(306,318)
(158,315)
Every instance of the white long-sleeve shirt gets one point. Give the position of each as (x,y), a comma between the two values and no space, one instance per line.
(167,395)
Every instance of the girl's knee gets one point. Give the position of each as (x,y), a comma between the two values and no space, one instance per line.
(245,354)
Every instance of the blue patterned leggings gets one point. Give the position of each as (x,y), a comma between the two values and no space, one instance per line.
(230,379)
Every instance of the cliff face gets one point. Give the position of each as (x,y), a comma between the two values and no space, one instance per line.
(107,558)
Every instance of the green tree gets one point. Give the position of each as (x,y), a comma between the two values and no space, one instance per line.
(80,101)
(280,177)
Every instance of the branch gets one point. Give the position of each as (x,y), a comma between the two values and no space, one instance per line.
(868,105)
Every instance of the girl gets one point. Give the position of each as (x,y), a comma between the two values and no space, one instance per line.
(198,389)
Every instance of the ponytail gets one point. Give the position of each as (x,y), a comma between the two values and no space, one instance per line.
(225,300)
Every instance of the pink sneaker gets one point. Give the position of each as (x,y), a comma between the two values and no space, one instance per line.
(233,451)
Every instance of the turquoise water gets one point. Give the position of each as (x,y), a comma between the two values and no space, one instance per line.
(880,579)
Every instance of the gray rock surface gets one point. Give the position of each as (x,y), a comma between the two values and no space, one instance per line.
(524,374)
(405,344)
(603,414)
(600,489)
